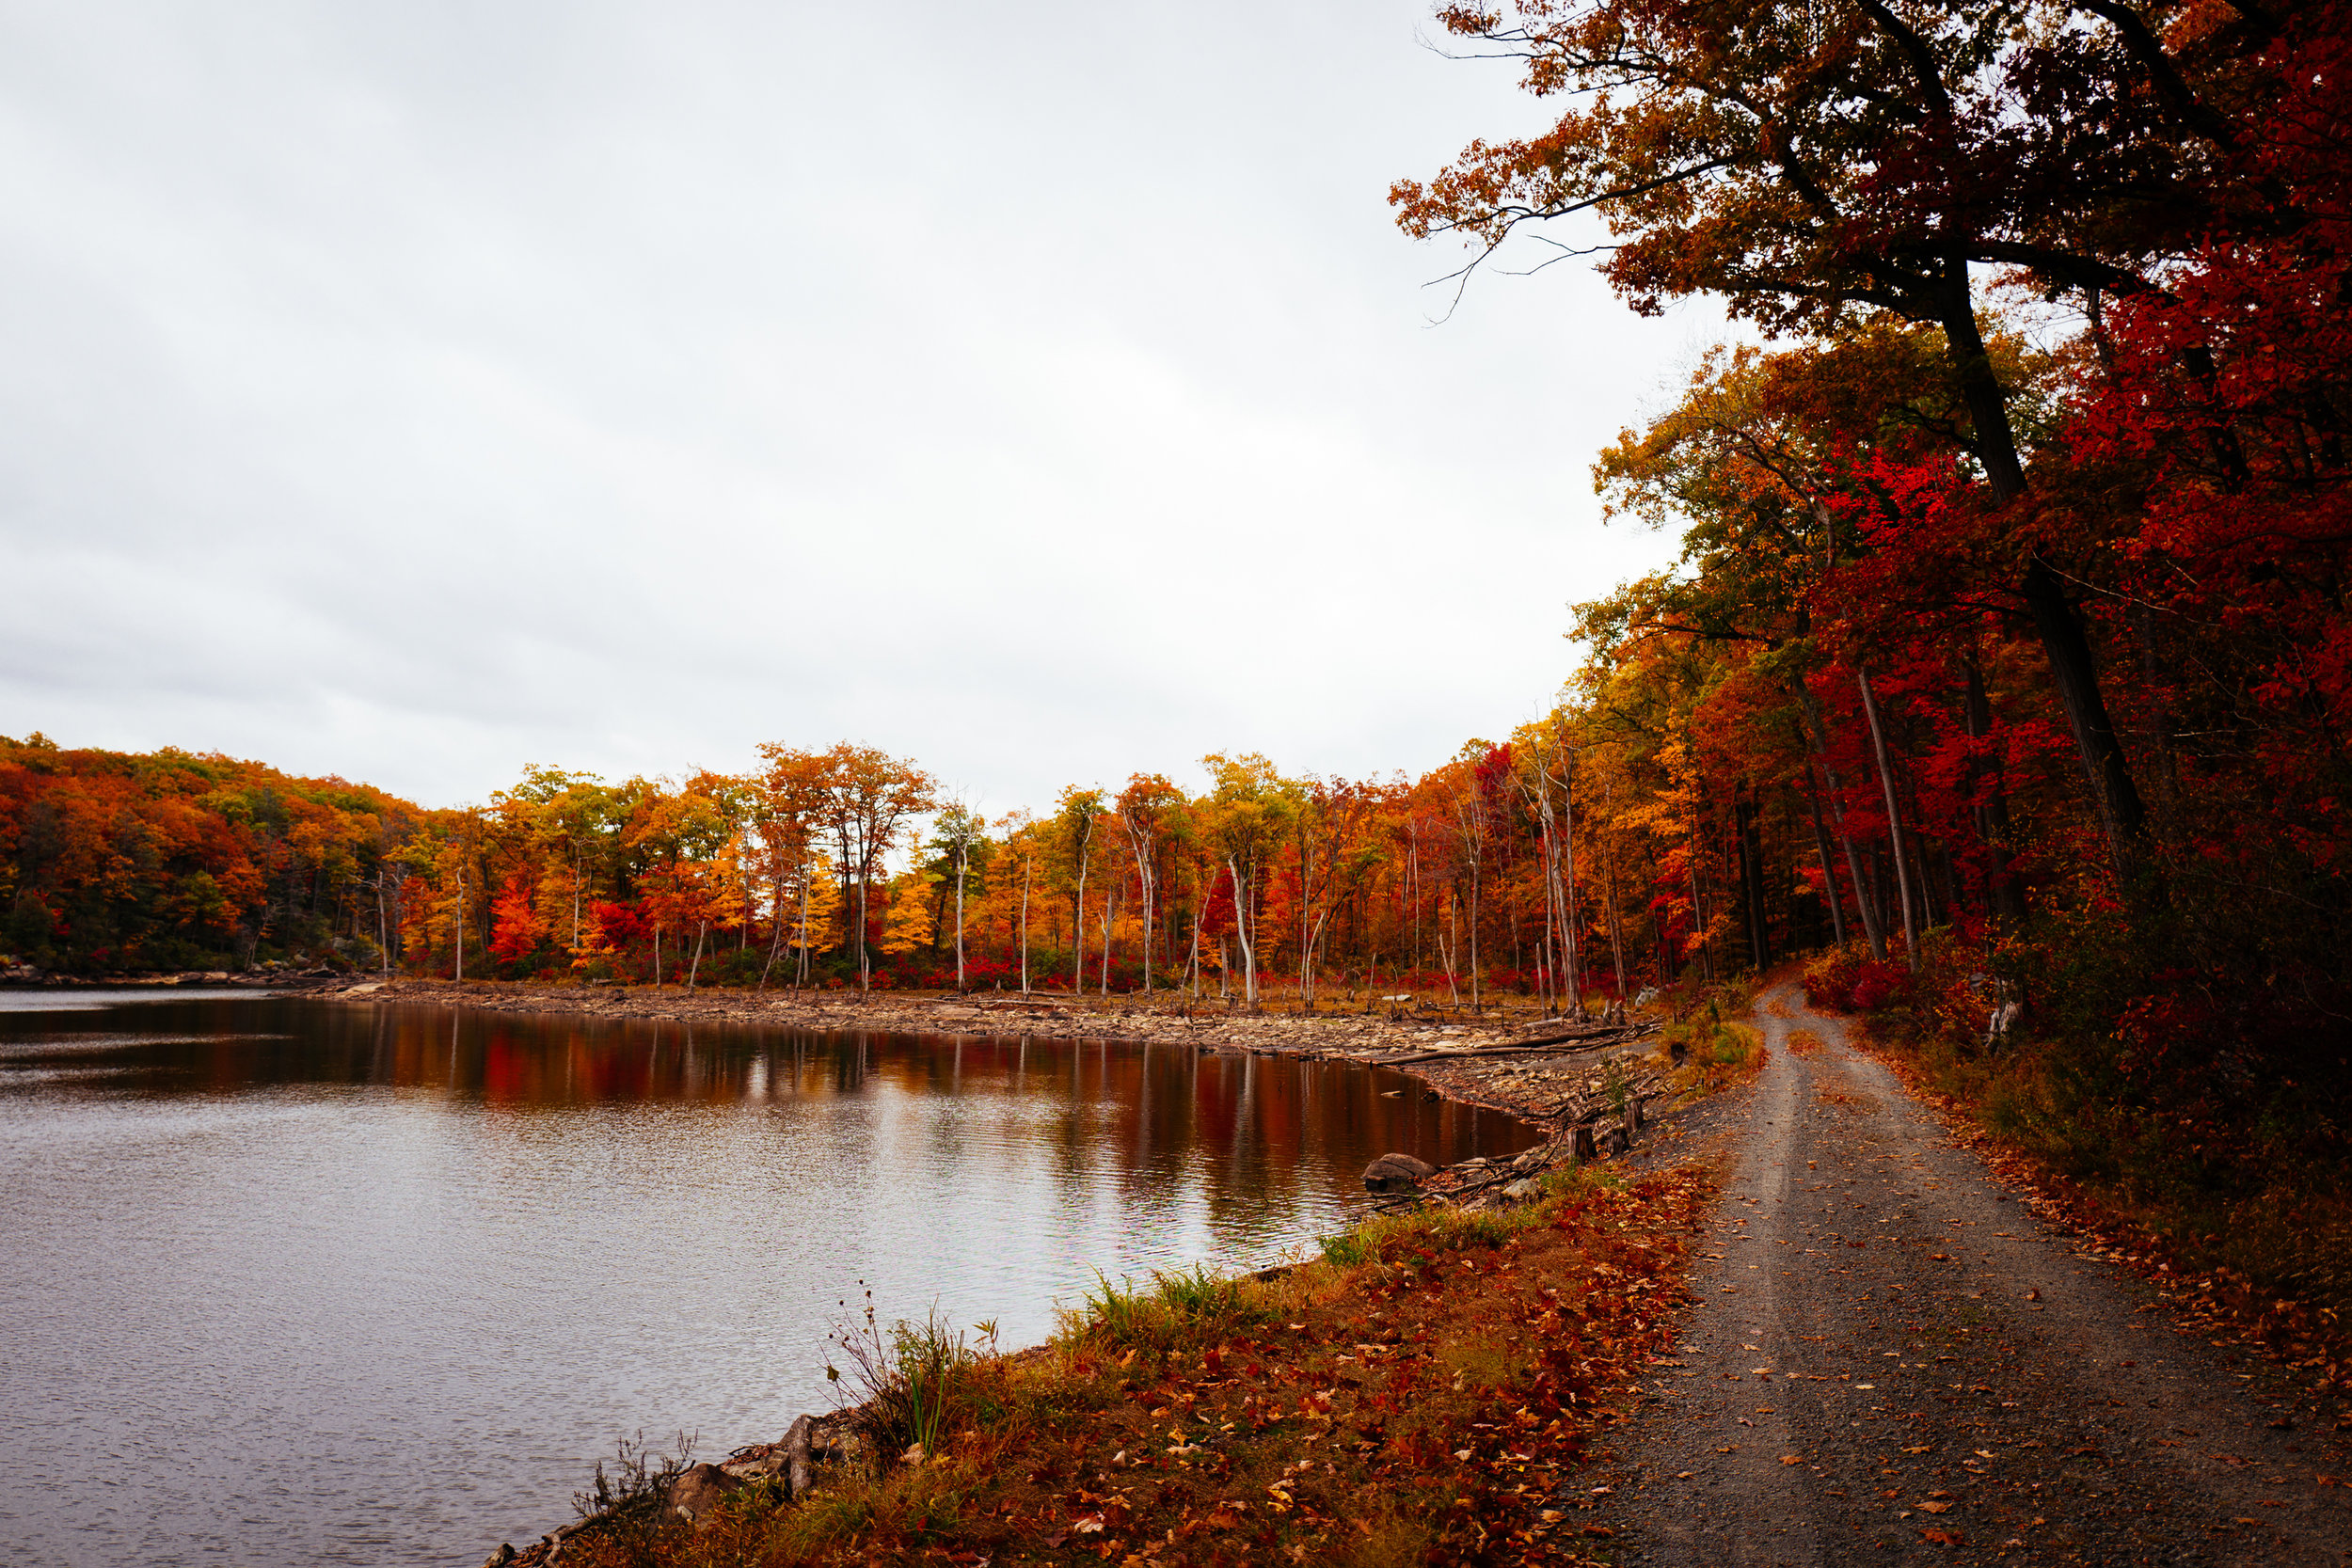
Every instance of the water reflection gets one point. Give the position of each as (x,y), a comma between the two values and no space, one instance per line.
(290,1281)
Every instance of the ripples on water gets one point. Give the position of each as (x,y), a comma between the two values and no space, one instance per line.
(291,1282)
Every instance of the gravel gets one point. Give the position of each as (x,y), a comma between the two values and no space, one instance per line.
(1893,1360)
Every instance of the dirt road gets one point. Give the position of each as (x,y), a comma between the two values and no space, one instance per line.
(1892,1361)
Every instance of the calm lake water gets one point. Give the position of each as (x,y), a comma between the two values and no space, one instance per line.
(294,1282)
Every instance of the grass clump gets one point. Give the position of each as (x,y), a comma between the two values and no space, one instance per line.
(909,1386)
(1176,1308)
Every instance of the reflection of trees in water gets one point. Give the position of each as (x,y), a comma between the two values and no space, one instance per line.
(1172,1138)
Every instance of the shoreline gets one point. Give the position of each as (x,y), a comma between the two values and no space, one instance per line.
(1451,1052)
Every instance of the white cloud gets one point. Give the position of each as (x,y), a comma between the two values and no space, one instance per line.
(413,392)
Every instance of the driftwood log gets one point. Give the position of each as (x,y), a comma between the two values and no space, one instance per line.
(1547,1045)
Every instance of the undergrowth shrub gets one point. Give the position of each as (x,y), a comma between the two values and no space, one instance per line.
(908,1387)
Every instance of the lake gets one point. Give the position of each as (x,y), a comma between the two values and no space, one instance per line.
(287,1281)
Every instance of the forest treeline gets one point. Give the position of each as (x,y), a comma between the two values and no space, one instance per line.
(846,866)
(2008,654)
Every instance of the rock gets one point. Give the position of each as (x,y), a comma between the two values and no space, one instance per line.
(1396,1173)
(1525,1190)
(500,1559)
(798,1442)
(698,1490)
(1530,1161)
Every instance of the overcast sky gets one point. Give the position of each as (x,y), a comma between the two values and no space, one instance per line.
(1043,391)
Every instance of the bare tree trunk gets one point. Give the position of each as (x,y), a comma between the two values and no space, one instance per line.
(1027,866)
(1242,934)
(801,974)
(1477,1000)
(1829,871)
(1818,736)
(1200,913)
(1079,929)
(775,932)
(963,855)
(695,968)
(1894,816)
(865,963)
(1448,940)
(1110,914)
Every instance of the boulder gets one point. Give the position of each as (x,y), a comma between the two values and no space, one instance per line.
(1396,1173)
(698,1489)
(1525,1190)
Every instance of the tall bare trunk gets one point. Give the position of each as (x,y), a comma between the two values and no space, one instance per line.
(1818,734)
(1110,914)
(1829,871)
(963,855)
(1894,816)
(1078,933)
(1027,866)
(1243,935)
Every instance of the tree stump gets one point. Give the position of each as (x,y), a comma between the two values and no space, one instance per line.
(1582,1145)
(796,1446)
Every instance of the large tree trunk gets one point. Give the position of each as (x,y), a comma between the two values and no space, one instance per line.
(2122,812)
(2064,642)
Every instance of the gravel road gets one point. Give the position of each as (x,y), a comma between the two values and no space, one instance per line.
(1893,1361)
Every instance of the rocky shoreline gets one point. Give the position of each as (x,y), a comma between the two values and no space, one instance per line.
(1514,1058)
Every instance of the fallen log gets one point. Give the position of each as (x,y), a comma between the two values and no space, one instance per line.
(1546,1046)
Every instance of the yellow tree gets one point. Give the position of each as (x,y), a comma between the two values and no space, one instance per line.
(863,799)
